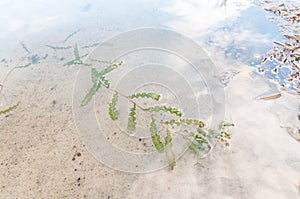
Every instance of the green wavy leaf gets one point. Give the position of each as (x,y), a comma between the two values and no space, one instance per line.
(95,76)
(24,66)
(71,35)
(198,123)
(153,96)
(76,52)
(110,68)
(155,137)
(131,126)
(59,47)
(223,137)
(112,107)
(91,93)
(171,110)
(101,61)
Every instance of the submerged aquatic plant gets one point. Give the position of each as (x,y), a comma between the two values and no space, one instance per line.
(198,137)
(33,59)
(25,48)
(59,47)
(71,35)
(78,59)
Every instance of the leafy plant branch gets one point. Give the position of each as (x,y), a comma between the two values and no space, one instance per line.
(198,140)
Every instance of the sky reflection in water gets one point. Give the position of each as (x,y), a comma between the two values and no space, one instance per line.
(236,32)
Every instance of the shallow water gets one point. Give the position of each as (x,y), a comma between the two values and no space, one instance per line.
(42,153)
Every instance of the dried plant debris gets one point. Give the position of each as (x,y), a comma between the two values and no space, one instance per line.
(199,138)
(294,132)
(282,63)
(269,97)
